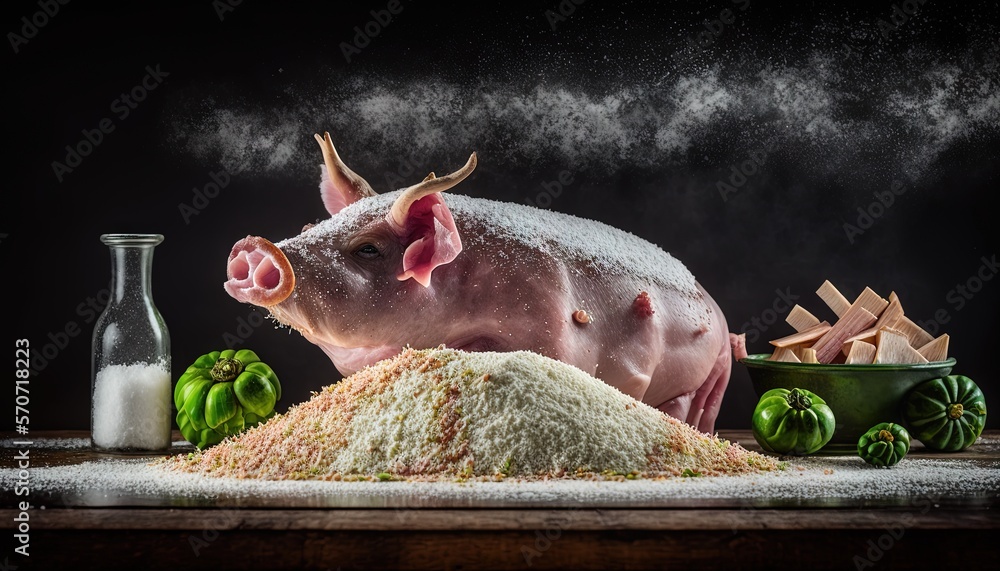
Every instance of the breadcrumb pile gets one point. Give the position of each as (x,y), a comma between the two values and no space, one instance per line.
(443,414)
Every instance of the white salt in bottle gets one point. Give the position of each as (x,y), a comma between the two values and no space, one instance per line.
(130,375)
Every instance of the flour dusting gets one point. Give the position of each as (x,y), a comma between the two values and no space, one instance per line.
(826,112)
(445,414)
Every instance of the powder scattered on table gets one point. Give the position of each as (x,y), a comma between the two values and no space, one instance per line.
(810,481)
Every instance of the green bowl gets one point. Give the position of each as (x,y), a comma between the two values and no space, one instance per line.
(860,396)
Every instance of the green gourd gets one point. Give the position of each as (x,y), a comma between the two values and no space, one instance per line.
(792,422)
(884,444)
(222,393)
(946,414)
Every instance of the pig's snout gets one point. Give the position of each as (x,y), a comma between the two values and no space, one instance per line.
(259,273)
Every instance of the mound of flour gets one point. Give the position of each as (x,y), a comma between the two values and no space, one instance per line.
(442,413)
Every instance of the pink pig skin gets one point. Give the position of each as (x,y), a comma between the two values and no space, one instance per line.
(481,275)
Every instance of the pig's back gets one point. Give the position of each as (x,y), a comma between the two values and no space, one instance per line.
(590,247)
(595,267)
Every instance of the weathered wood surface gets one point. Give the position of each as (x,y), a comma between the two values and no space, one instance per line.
(434,519)
(538,549)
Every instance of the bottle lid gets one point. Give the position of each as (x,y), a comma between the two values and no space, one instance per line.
(131,239)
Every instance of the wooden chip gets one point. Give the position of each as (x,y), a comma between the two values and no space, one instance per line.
(809,355)
(871,301)
(868,336)
(867,330)
(891,316)
(856,319)
(803,336)
(833,298)
(895,348)
(798,349)
(890,330)
(936,350)
(914,333)
(861,353)
(800,319)
(783,354)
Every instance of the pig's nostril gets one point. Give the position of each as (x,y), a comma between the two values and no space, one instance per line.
(239,267)
(266,275)
(259,273)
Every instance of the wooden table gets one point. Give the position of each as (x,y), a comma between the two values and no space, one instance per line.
(170,533)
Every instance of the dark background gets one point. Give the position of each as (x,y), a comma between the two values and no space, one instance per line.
(261,67)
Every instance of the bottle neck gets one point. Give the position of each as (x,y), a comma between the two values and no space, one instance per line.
(132,276)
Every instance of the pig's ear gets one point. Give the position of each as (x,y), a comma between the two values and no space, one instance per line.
(421,219)
(430,237)
(339,186)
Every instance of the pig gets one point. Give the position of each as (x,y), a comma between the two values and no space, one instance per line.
(411,268)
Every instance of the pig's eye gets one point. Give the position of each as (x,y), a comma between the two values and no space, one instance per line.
(367,252)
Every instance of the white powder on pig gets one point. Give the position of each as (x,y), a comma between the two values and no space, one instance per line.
(487,225)
(445,414)
(132,407)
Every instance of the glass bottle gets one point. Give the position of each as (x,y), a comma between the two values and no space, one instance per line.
(131,406)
